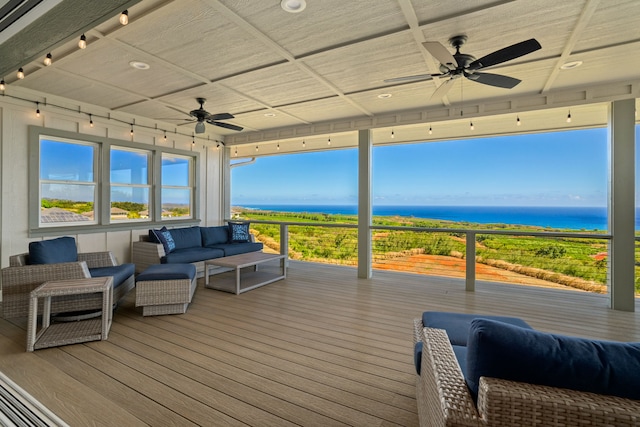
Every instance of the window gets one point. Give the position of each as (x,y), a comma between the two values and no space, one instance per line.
(130,187)
(67,183)
(177,187)
(87,183)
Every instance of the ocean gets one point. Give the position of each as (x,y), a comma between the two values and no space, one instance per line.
(575,218)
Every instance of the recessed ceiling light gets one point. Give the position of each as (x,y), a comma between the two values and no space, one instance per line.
(570,65)
(385,95)
(293,6)
(269,114)
(139,65)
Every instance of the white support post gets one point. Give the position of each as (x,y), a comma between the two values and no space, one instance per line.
(470,283)
(364,204)
(284,243)
(622,205)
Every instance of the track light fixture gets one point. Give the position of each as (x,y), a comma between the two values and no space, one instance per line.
(236,152)
(131,130)
(471,126)
(37,109)
(518,122)
(393,135)
(20,73)
(278,147)
(256,148)
(569,117)
(48,59)
(3,86)
(124,17)
(329,141)
(304,144)
(165,136)
(430,130)
(82,44)
(90,121)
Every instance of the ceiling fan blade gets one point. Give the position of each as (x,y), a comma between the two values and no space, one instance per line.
(410,78)
(220,116)
(225,125)
(438,51)
(497,80)
(506,54)
(443,89)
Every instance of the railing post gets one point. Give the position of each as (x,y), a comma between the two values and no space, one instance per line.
(284,243)
(470,284)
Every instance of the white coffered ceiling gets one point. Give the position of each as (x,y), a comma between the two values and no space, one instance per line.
(321,71)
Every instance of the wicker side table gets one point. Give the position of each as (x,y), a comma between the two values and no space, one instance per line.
(57,334)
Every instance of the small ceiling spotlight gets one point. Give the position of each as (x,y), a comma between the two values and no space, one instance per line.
(90,120)
(471,126)
(518,122)
(304,144)
(48,59)
(393,135)
(256,148)
(165,136)
(131,130)
(570,65)
(293,6)
(569,117)
(430,130)
(218,146)
(3,86)
(37,109)
(329,141)
(82,44)
(20,74)
(124,17)
(236,152)
(385,95)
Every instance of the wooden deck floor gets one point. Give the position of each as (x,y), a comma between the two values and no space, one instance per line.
(321,348)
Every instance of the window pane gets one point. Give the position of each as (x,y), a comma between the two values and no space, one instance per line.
(129,203)
(176,203)
(67,203)
(176,170)
(129,167)
(65,161)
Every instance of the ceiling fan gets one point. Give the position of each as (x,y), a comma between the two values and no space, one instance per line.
(201,116)
(459,64)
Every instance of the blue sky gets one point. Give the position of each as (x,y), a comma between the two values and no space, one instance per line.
(552,169)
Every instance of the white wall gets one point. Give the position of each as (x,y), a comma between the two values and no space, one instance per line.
(16,116)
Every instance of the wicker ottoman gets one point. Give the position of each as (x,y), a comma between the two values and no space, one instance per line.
(165,288)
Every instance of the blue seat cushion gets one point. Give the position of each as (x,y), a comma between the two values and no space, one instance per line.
(54,251)
(459,351)
(186,237)
(457,324)
(239,248)
(214,235)
(501,350)
(120,272)
(167,272)
(185,256)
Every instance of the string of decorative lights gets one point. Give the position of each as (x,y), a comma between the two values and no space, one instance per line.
(91,116)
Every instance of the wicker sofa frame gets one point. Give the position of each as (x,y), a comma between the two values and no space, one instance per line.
(20,278)
(444,400)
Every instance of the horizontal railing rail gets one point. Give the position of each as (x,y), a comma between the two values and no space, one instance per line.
(469,234)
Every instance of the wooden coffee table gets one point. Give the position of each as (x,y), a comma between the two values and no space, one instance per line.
(248,280)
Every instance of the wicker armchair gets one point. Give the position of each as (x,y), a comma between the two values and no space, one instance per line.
(20,278)
(444,400)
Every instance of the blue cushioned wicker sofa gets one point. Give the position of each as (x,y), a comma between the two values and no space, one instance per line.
(59,259)
(475,370)
(192,245)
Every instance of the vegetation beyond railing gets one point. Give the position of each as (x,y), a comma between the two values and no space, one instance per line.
(530,255)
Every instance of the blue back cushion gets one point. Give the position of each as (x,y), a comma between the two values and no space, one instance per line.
(457,324)
(187,237)
(62,249)
(500,350)
(214,235)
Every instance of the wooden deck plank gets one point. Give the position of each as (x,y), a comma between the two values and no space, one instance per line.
(321,347)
